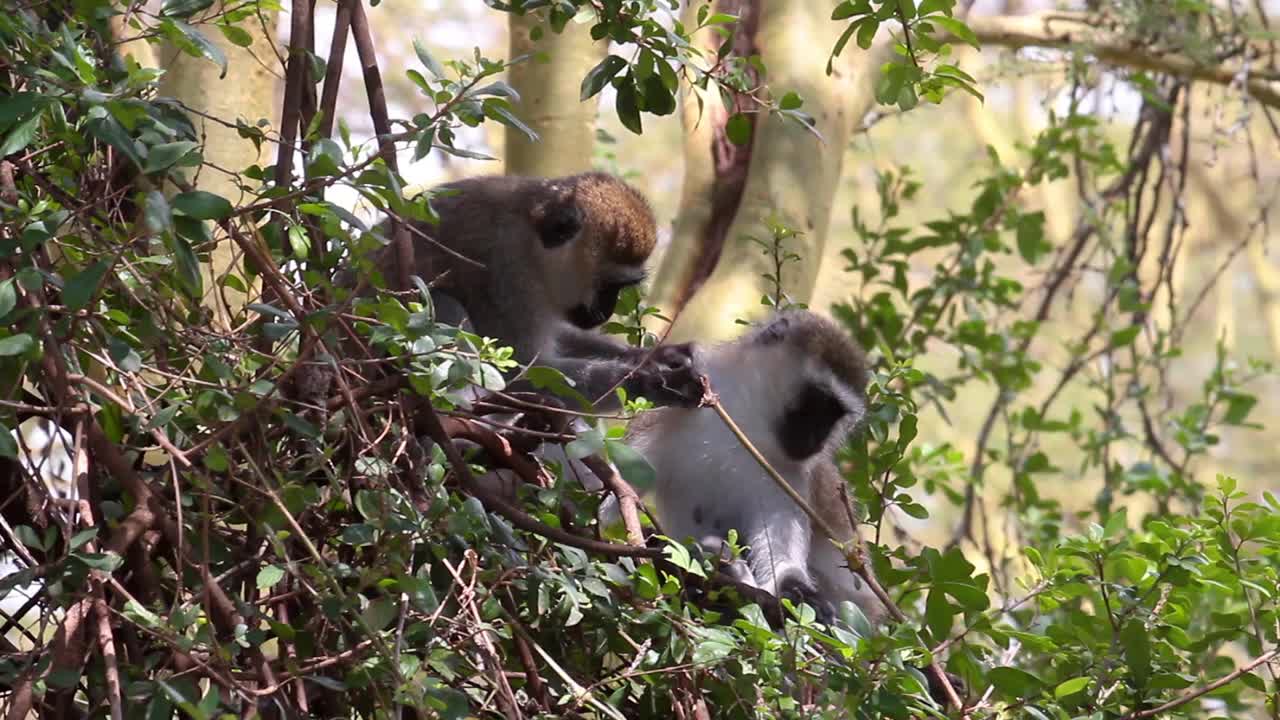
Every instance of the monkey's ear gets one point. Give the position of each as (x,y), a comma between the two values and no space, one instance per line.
(557,220)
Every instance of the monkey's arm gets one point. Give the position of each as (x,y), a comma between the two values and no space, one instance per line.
(597,364)
(449,311)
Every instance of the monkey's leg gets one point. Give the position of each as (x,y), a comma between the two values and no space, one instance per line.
(779,541)
(836,582)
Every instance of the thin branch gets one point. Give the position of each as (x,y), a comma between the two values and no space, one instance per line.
(1066,30)
(1205,690)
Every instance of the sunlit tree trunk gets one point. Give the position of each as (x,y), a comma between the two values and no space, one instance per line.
(548,83)
(247,92)
(789,171)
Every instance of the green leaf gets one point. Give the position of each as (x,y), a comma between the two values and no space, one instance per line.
(8,297)
(16,344)
(600,75)
(299,243)
(188,265)
(790,101)
(198,45)
(867,28)
(381,612)
(1012,682)
(430,63)
(657,98)
(183,8)
(627,105)
(1125,336)
(107,129)
(79,290)
(1239,405)
(1071,687)
(236,35)
(156,213)
(851,8)
(1137,650)
(202,205)
(21,136)
(500,109)
(164,156)
(587,443)
(634,468)
(269,577)
(738,129)
(957,28)
(17,105)
(1030,237)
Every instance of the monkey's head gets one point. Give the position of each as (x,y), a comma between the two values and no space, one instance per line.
(595,233)
(811,377)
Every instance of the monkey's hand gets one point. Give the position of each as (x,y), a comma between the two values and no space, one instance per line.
(672,376)
(799,590)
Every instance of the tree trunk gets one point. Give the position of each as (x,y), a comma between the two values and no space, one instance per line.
(548,83)
(791,172)
(247,92)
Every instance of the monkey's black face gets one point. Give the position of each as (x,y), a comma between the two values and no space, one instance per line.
(807,423)
(601,308)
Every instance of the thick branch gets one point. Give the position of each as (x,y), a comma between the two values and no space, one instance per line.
(1064,30)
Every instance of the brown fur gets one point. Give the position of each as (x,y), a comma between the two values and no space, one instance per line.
(538,264)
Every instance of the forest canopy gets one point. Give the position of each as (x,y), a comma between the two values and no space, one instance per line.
(230,486)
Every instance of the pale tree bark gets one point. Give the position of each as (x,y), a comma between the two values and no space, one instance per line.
(789,172)
(248,92)
(1074,30)
(549,83)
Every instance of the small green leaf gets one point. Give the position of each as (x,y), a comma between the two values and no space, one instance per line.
(188,265)
(867,28)
(1030,237)
(21,136)
(634,468)
(1137,650)
(8,297)
(499,109)
(790,101)
(269,577)
(183,8)
(430,63)
(600,75)
(957,28)
(1013,682)
(16,344)
(156,213)
(197,45)
(657,98)
(381,612)
(107,129)
(236,35)
(1071,687)
(80,288)
(162,157)
(202,205)
(1125,336)
(627,106)
(738,129)
(299,243)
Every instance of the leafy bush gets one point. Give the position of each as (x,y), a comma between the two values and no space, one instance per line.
(245,541)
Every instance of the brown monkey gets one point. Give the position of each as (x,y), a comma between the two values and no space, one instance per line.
(550,257)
